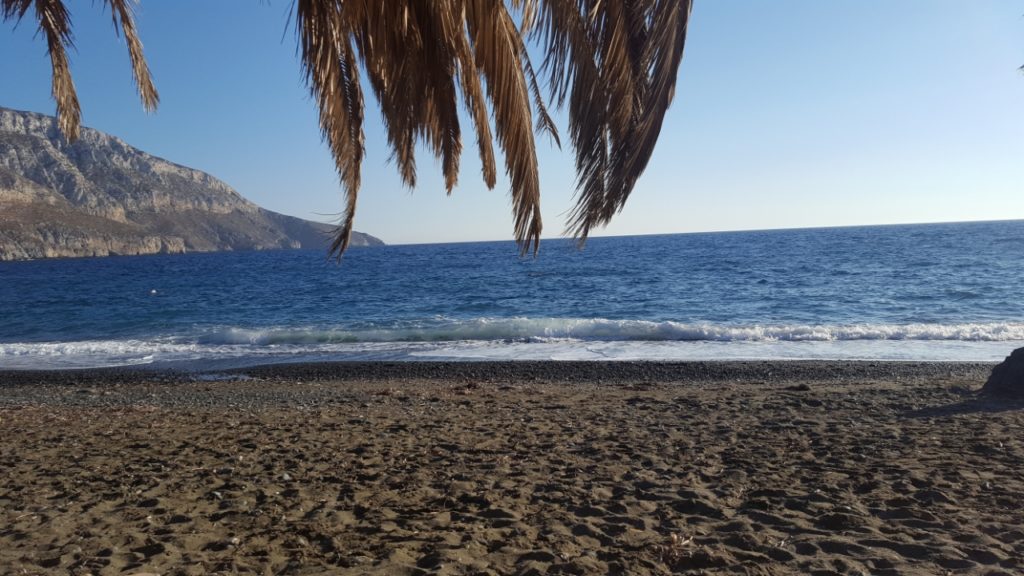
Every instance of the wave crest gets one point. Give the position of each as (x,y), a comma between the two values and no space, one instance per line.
(605,330)
(527,338)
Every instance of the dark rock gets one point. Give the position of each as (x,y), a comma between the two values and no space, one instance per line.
(1007,379)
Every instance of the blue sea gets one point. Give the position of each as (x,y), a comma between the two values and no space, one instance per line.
(915,292)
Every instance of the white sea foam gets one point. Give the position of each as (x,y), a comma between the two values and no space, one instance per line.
(546,329)
(531,339)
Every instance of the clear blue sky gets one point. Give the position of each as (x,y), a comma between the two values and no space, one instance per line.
(790,113)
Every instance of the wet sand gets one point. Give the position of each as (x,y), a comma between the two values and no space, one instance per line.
(533,468)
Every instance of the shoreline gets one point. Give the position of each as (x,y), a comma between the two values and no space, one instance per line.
(534,370)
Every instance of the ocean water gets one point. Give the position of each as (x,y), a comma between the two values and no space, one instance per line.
(916,292)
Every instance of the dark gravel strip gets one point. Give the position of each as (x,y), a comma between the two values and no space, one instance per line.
(653,372)
(525,371)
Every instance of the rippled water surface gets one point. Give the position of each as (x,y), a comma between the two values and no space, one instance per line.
(938,291)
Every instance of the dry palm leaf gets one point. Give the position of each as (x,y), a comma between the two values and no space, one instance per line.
(616,63)
(613,64)
(55,25)
(124,20)
(54,21)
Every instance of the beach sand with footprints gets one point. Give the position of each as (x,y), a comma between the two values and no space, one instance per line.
(533,468)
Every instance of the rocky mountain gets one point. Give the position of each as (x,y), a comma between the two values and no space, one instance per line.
(99,196)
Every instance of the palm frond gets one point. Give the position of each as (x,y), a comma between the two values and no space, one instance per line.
(123,14)
(418,58)
(616,64)
(332,74)
(54,22)
(499,55)
(612,64)
(472,92)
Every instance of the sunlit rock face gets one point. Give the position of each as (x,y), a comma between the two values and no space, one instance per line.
(100,196)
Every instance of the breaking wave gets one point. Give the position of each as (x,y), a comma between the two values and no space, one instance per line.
(543,329)
(525,338)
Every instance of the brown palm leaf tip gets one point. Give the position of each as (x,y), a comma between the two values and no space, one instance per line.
(123,14)
(613,64)
(54,23)
(617,63)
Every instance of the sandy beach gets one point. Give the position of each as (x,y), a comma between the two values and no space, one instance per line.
(531,468)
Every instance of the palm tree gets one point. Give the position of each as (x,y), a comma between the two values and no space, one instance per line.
(613,64)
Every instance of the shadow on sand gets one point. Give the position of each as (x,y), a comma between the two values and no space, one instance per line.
(974,402)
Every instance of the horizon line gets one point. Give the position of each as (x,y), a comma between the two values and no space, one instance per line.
(727,231)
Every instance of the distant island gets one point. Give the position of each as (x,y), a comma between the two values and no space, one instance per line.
(100,197)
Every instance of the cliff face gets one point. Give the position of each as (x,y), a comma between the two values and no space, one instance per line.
(100,196)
